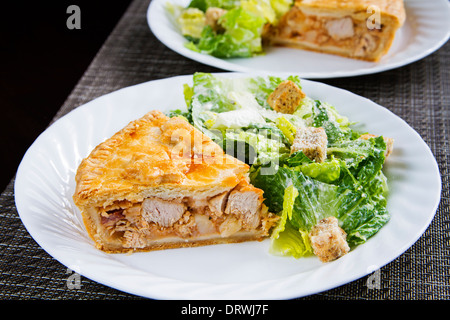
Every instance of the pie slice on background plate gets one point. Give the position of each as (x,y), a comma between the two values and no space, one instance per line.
(359,29)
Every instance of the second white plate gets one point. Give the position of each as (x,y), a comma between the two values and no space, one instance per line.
(45,184)
(426,29)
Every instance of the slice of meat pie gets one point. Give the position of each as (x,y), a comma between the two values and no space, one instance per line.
(160,183)
(359,29)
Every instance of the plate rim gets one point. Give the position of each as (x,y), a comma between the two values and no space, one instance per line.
(94,276)
(229,66)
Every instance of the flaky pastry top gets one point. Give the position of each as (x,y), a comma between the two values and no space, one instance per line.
(392,8)
(155,156)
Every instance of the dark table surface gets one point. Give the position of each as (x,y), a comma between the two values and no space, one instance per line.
(418,93)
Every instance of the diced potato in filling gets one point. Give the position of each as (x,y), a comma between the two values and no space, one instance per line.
(389,142)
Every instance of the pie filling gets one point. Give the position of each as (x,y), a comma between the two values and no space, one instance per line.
(138,225)
(347,33)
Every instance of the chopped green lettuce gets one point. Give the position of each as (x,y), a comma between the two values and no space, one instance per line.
(260,8)
(239,35)
(296,159)
(326,172)
(285,239)
(291,242)
(290,194)
(359,214)
(287,128)
(192,22)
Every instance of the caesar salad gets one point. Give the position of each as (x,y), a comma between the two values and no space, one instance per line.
(320,175)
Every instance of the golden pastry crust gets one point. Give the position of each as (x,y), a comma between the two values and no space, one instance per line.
(339,27)
(186,243)
(183,160)
(392,8)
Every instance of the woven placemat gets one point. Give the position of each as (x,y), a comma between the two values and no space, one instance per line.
(418,93)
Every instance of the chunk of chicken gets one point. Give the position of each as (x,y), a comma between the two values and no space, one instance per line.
(162,212)
(245,202)
(230,226)
(328,240)
(132,239)
(217,204)
(340,29)
(312,141)
(367,43)
(286,97)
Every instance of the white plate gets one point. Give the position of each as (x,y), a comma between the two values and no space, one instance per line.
(426,29)
(45,184)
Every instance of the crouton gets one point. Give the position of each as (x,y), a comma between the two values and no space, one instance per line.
(328,240)
(389,142)
(286,97)
(213,15)
(312,141)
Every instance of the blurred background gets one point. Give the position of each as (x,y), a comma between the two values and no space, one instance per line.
(41,62)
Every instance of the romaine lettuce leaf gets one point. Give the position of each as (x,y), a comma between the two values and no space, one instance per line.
(272,10)
(207,97)
(285,239)
(260,8)
(290,194)
(361,159)
(198,4)
(273,186)
(351,151)
(241,26)
(291,242)
(325,119)
(317,113)
(328,171)
(359,213)
(373,164)
(191,21)
(287,128)
(371,218)
(265,150)
(259,142)
(297,159)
